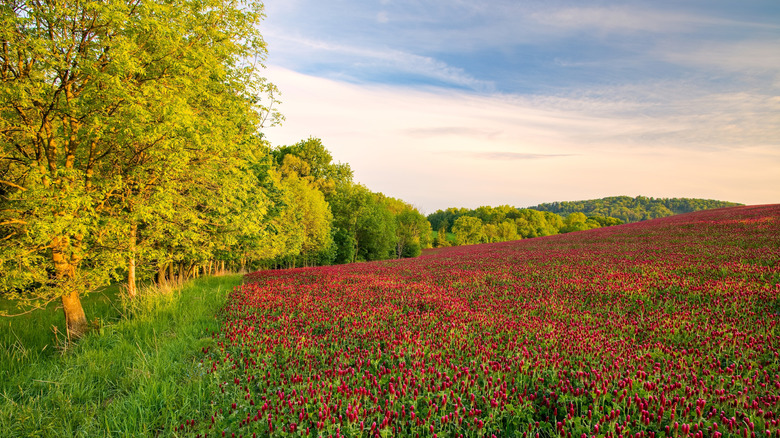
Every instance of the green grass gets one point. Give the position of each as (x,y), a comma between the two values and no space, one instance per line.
(136,374)
(35,337)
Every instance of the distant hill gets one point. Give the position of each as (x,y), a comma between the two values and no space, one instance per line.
(630,209)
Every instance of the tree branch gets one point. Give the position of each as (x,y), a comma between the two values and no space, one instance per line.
(13,221)
(39,307)
(9,183)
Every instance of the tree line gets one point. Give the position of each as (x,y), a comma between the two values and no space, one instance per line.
(503,223)
(635,209)
(131,149)
(331,219)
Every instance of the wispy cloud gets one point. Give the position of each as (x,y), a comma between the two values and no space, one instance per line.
(454,131)
(623,18)
(749,55)
(480,101)
(441,149)
(384,62)
(510,156)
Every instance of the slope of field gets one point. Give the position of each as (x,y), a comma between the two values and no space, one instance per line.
(662,328)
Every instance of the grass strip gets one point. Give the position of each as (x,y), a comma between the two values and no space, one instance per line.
(137,377)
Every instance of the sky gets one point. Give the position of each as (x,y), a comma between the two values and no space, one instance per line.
(451,103)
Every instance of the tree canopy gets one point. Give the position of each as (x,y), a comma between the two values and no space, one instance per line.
(115,117)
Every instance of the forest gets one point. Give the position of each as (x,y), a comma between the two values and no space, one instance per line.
(458,226)
(636,209)
(504,223)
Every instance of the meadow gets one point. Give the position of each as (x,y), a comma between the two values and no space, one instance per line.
(661,328)
(664,328)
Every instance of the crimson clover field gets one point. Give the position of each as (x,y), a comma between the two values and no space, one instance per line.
(669,327)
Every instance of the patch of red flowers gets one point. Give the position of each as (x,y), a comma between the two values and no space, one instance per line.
(669,327)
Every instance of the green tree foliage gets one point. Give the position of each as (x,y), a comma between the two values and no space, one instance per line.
(468,230)
(363,225)
(446,218)
(363,220)
(533,223)
(113,117)
(376,230)
(130,147)
(605,221)
(577,221)
(504,223)
(413,233)
(310,160)
(506,231)
(635,209)
(304,224)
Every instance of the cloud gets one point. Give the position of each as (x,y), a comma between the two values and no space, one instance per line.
(453,131)
(502,156)
(443,148)
(751,55)
(385,61)
(630,19)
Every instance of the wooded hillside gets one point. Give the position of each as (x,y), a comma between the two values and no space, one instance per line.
(630,209)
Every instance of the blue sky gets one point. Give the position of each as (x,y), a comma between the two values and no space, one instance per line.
(454,103)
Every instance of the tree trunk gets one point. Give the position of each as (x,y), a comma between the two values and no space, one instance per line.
(161,274)
(75,319)
(131,279)
(192,271)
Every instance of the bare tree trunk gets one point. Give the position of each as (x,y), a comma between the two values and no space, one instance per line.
(131,279)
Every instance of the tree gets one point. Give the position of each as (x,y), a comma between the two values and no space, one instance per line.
(442,218)
(312,217)
(375,233)
(310,160)
(413,232)
(106,109)
(507,231)
(489,233)
(441,236)
(468,230)
(605,221)
(533,223)
(363,219)
(575,222)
